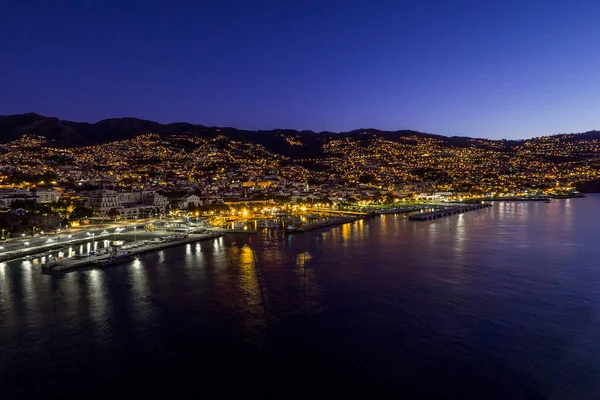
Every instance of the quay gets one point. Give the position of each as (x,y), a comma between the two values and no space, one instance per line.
(339,220)
(339,212)
(512,199)
(246,231)
(133,250)
(446,212)
(398,210)
(54,245)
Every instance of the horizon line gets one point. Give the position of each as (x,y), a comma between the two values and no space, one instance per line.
(298,130)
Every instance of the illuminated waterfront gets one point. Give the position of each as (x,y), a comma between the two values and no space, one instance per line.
(495,301)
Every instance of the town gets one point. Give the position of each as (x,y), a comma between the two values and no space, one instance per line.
(154,176)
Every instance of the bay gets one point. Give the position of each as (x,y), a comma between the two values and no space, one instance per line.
(494,303)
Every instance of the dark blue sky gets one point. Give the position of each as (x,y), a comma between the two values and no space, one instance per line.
(478,68)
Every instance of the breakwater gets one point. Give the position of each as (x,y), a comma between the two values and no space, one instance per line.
(132,250)
(446,212)
(35,250)
(338,220)
(398,210)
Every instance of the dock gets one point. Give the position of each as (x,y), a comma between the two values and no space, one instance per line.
(106,259)
(246,231)
(397,210)
(518,199)
(446,212)
(339,220)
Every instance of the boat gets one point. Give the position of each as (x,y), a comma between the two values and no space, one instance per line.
(272,224)
(80,256)
(238,226)
(117,256)
(120,255)
(268,224)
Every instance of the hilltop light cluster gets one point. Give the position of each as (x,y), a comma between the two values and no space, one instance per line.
(362,167)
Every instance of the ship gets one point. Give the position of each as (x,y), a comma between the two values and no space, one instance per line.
(116,255)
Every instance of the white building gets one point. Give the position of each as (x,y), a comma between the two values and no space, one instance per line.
(47,195)
(128,204)
(154,199)
(9,196)
(102,201)
(185,201)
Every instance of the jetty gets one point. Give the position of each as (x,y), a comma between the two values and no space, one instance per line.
(338,220)
(127,253)
(518,199)
(446,212)
(246,231)
(398,210)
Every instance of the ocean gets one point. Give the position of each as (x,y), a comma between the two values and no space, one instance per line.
(502,302)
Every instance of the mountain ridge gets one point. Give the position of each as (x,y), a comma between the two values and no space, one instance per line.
(71,133)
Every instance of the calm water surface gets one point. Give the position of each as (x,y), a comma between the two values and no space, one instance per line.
(496,303)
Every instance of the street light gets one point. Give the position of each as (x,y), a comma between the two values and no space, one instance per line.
(135,234)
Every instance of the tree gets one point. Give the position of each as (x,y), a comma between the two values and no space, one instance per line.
(80,212)
(113,213)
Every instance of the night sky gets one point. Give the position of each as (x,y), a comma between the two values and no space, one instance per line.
(482,68)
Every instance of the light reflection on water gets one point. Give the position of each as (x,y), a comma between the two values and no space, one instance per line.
(514,285)
(252,297)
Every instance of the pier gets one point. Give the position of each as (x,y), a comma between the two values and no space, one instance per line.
(446,212)
(244,231)
(338,220)
(133,250)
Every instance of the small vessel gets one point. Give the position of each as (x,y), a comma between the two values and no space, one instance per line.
(272,224)
(120,255)
(268,223)
(80,256)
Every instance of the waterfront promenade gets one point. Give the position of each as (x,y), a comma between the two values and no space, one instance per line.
(27,245)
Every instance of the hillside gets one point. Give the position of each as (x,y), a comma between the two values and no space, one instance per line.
(134,151)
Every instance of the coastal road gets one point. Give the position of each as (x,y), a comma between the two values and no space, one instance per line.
(27,244)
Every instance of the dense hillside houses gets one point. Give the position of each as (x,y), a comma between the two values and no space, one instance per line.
(227,165)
